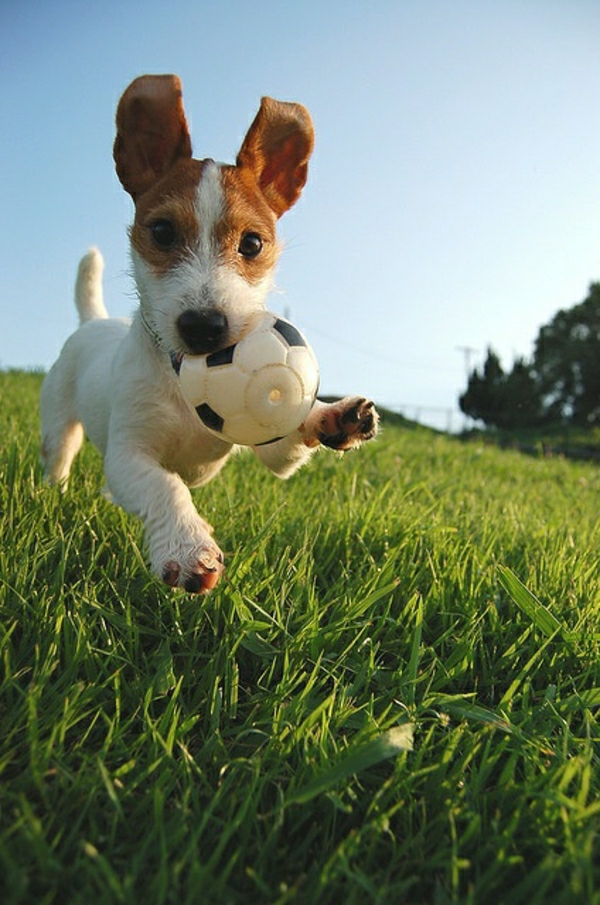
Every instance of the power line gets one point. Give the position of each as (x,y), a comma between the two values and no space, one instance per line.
(373,353)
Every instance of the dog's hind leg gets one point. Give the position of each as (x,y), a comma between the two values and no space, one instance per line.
(58,452)
(62,434)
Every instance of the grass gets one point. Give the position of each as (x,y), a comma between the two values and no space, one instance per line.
(393,697)
(558,439)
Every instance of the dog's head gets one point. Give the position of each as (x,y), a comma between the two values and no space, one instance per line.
(203,240)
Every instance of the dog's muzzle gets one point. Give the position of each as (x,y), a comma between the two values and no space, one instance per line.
(203,331)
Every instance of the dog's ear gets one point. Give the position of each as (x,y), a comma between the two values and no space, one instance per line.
(276,149)
(152,132)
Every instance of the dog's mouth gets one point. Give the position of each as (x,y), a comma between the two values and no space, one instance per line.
(176,359)
(209,331)
(203,333)
(199,333)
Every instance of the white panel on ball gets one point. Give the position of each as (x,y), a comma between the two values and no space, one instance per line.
(258,390)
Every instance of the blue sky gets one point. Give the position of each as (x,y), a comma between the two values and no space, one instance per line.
(453,198)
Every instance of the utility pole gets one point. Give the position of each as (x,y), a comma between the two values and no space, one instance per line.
(467,351)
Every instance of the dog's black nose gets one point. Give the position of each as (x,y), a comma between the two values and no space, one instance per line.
(203,331)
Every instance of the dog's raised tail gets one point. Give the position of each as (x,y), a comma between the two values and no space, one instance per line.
(88,287)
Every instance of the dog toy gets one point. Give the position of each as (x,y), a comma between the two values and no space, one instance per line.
(257,390)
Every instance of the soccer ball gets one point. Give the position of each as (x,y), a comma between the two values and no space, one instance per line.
(258,390)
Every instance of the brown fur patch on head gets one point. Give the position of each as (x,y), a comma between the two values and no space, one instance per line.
(246,212)
(172,199)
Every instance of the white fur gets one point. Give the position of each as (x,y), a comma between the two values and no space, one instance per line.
(210,205)
(89,296)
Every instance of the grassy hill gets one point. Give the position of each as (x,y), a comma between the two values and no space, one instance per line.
(559,440)
(392,698)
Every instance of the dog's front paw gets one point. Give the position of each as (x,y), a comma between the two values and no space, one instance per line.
(194,563)
(342,425)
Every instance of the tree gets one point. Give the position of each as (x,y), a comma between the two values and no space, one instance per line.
(561,384)
(567,362)
(521,396)
(502,400)
(481,398)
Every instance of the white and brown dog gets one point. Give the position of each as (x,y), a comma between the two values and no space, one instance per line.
(204,249)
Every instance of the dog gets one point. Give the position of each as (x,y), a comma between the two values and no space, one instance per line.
(203,250)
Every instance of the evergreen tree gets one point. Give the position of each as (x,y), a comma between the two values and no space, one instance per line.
(502,400)
(481,400)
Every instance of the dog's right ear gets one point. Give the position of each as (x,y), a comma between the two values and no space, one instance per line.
(152,132)
(277,149)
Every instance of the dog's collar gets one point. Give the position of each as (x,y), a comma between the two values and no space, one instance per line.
(175,357)
(150,329)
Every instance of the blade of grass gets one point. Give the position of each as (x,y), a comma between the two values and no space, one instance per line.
(385,746)
(415,649)
(540,615)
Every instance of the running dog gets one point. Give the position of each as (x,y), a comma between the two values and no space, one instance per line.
(203,250)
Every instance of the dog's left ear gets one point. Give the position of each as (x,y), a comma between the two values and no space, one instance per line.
(276,150)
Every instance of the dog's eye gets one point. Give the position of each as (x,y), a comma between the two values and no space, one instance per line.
(250,245)
(163,234)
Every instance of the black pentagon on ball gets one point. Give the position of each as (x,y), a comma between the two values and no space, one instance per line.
(209,417)
(222,357)
(292,336)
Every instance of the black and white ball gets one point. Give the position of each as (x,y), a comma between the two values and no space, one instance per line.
(258,390)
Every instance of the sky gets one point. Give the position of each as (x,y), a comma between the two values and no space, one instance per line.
(453,199)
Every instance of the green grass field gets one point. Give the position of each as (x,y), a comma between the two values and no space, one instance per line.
(392,698)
